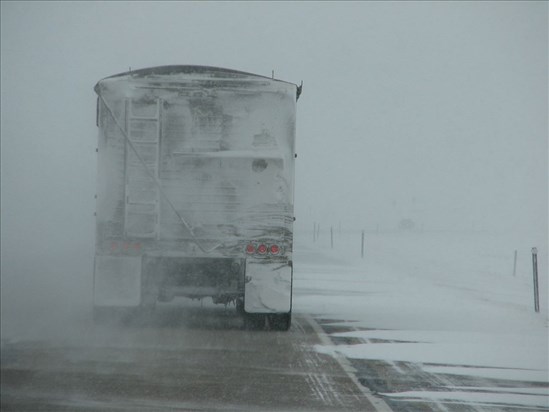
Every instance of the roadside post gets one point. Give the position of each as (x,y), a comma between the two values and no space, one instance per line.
(362,246)
(515,265)
(535,269)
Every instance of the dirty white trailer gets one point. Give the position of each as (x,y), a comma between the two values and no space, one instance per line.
(195,191)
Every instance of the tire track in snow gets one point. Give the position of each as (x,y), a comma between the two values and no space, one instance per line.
(379,404)
(326,380)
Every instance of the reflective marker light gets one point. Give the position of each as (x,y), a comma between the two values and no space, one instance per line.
(262,249)
(275,250)
(250,249)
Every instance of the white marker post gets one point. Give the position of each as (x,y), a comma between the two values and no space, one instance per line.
(535,268)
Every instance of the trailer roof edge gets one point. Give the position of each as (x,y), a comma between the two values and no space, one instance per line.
(177,69)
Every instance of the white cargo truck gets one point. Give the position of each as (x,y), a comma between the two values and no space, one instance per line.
(195,191)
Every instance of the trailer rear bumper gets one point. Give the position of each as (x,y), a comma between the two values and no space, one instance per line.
(131,281)
(127,281)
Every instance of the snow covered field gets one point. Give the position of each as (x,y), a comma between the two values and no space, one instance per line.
(447,302)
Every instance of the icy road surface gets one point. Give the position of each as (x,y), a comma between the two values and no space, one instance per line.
(432,321)
(192,359)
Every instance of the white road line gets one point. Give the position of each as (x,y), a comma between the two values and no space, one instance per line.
(378,403)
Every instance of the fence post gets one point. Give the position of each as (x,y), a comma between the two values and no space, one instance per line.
(362,246)
(535,269)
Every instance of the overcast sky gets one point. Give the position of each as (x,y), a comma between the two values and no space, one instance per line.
(435,111)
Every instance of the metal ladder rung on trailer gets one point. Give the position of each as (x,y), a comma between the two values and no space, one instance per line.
(142,208)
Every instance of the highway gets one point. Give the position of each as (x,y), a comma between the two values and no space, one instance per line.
(188,358)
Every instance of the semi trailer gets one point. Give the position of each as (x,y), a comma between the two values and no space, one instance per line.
(195,191)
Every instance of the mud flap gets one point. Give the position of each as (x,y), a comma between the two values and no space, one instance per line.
(268,287)
(117,281)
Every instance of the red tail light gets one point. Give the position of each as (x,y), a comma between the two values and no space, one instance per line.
(263,249)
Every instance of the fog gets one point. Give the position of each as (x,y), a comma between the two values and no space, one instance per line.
(430,111)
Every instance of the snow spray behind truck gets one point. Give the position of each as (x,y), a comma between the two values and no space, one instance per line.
(195,190)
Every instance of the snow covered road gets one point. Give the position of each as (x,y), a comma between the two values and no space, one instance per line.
(432,321)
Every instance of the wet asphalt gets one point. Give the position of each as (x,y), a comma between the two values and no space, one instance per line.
(180,359)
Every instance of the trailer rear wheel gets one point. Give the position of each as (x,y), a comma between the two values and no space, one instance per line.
(254,321)
(260,321)
(240,307)
(281,322)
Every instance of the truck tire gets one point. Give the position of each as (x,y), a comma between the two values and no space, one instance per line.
(240,307)
(280,321)
(275,322)
(254,321)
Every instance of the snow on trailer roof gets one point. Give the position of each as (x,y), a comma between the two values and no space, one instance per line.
(209,72)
